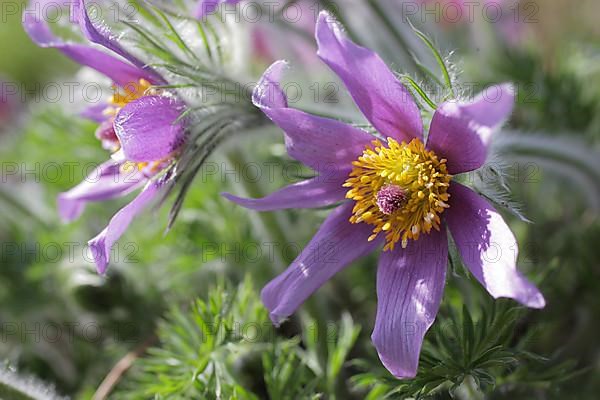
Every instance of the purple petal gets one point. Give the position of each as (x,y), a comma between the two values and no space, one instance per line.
(95,113)
(461,132)
(107,181)
(323,144)
(120,72)
(337,243)
(384,100)
(410,284)
(101,245)
(147,128)
(316,192)
(102,35)
(105,132)
(268,93)
(488,247)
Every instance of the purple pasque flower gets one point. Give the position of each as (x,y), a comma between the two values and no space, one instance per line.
(137,123)
(395,192)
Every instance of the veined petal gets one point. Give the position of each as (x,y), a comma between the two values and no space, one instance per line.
(336,244)
(461,132)
(381,97)
(147,128)
(316,192)
(101,245)
(107,181)
(102,35)
(39,31)
(323,144)
(410,285)
(488,247)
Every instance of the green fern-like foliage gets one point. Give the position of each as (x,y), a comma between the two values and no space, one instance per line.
(202,347)
(467,358)
(217,347)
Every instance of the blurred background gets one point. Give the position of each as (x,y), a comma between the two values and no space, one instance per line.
(65,330)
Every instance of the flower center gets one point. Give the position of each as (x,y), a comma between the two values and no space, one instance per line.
(401,189)
(390,198)
(149,168)
(123,96)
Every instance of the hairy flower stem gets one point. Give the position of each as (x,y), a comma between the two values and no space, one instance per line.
(123,365)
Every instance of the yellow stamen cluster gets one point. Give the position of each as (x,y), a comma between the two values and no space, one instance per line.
(127,94)
(421,177)
(150,167)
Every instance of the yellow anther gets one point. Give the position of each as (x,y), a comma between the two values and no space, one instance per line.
(414,182)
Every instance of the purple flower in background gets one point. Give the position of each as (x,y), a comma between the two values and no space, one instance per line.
(396,192)
(138,124)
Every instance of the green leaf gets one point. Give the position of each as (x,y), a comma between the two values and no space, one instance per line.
(438,57)
(415,86)
(339,349)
